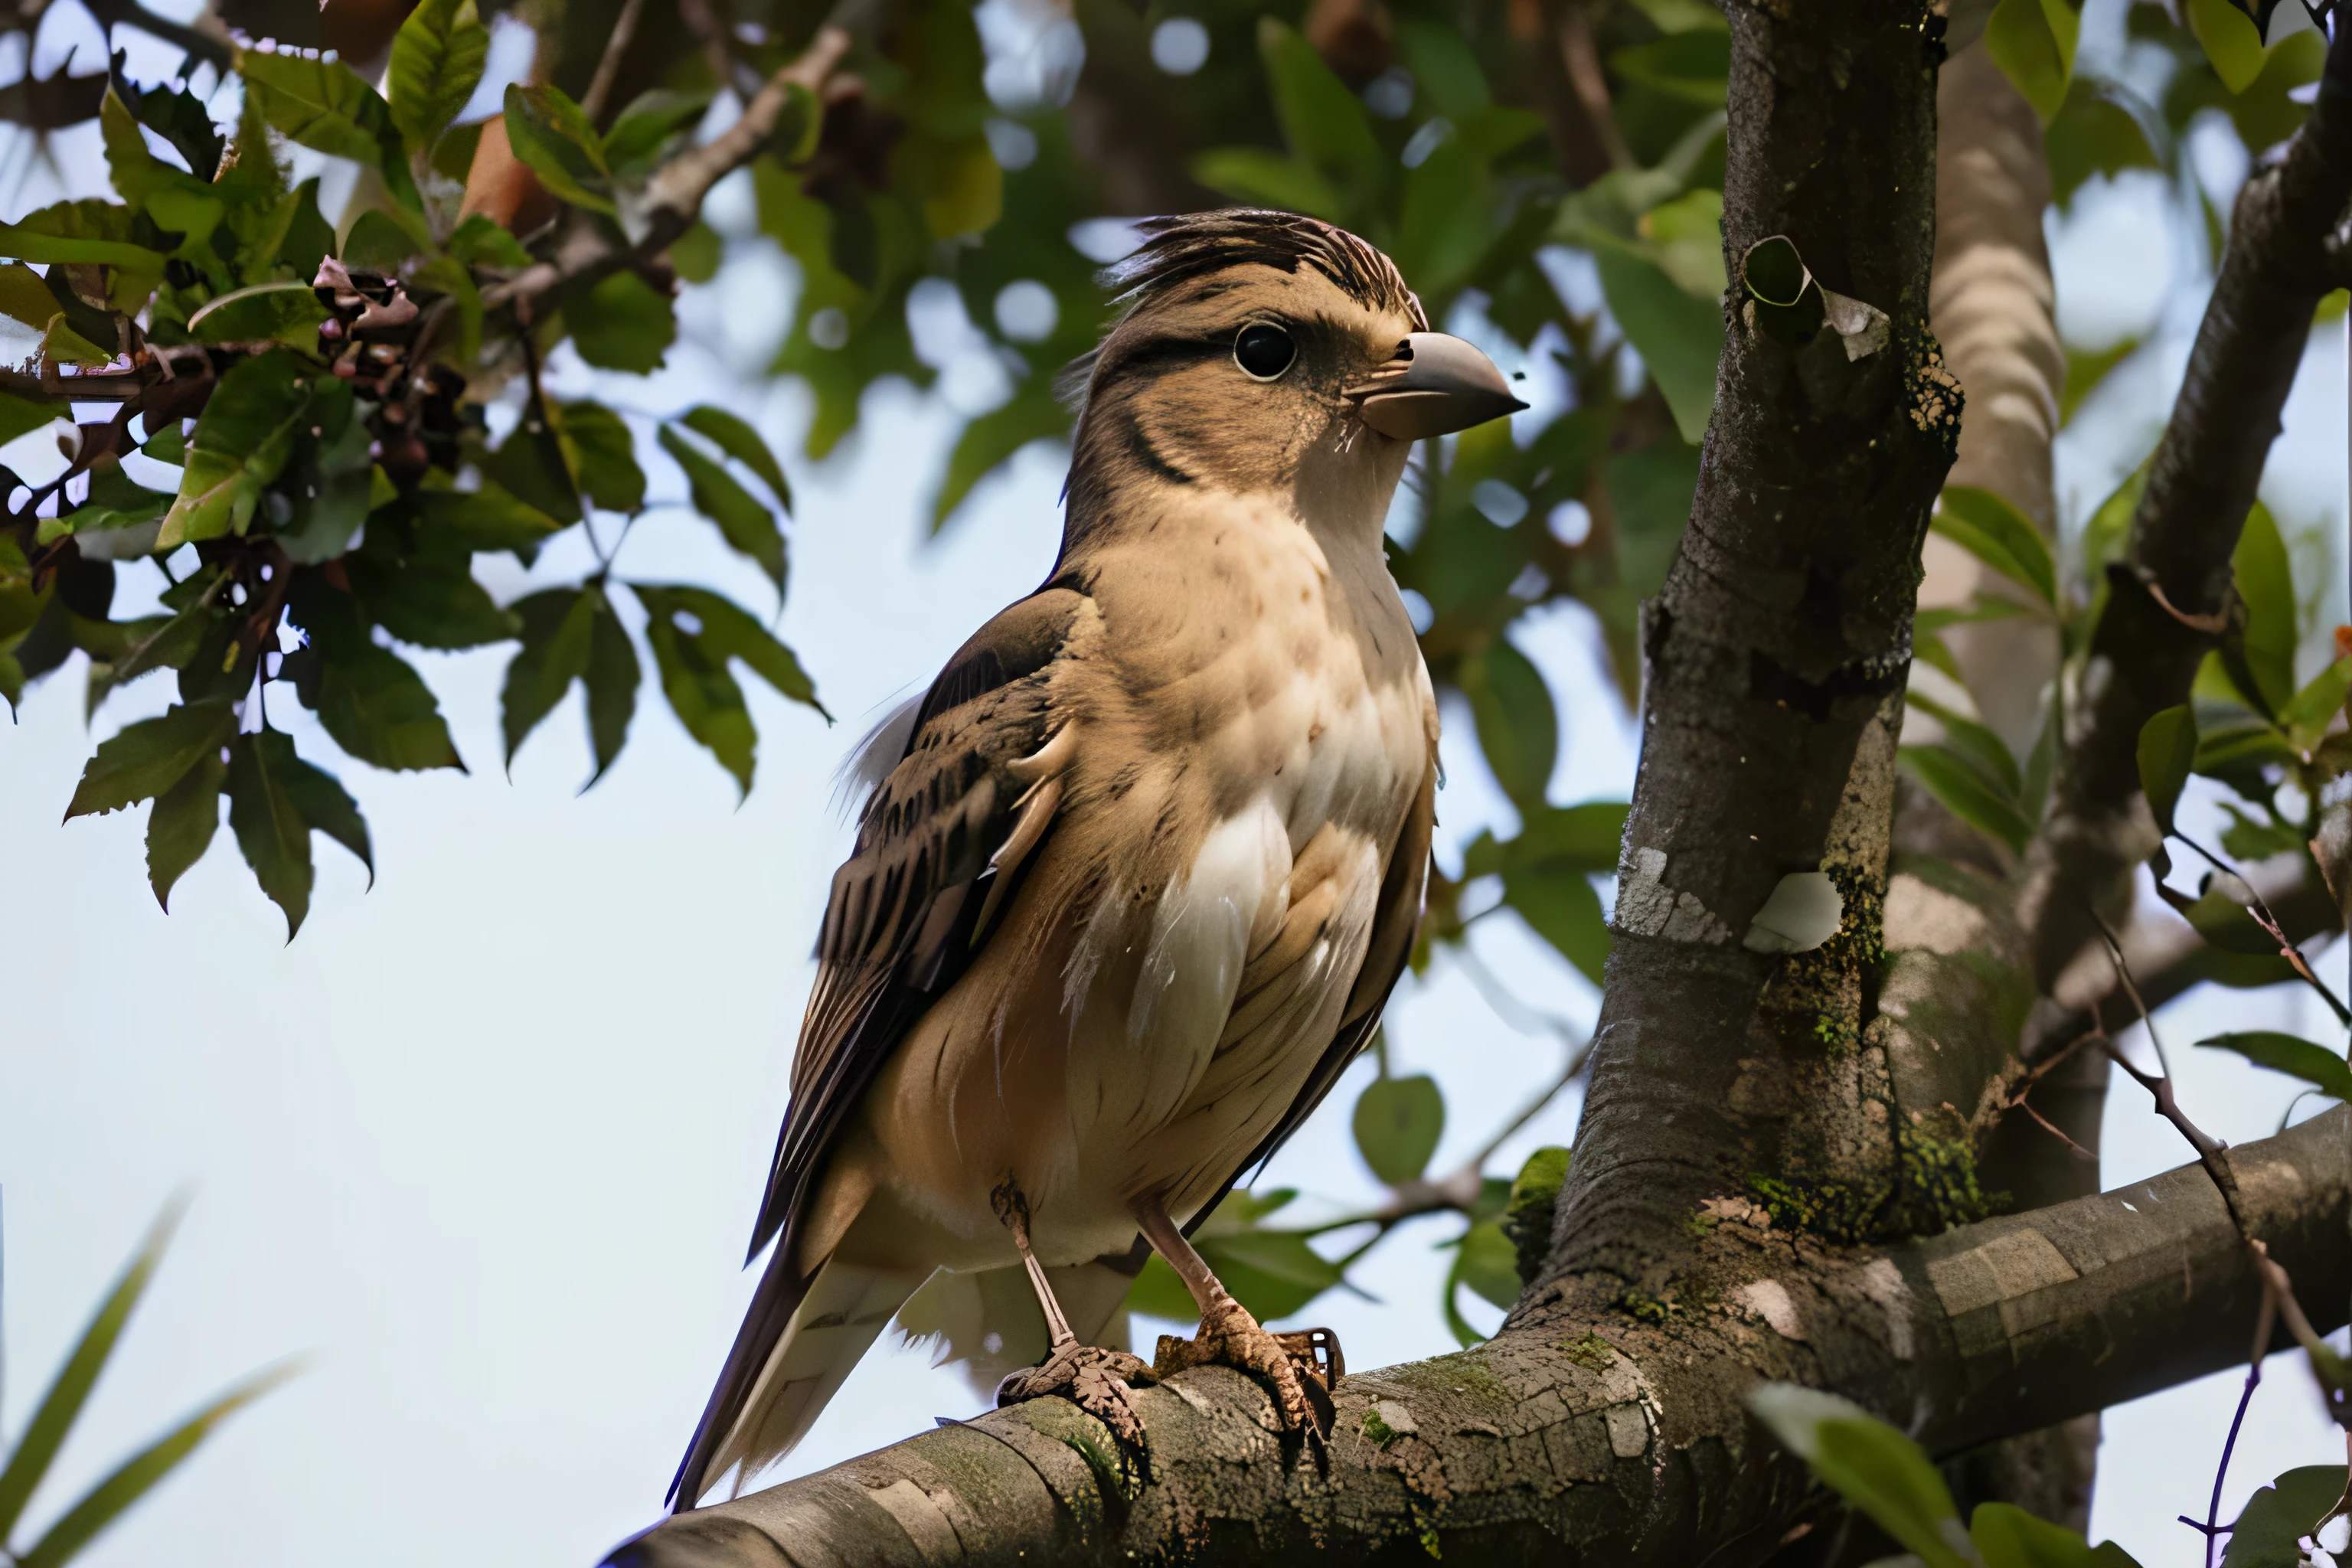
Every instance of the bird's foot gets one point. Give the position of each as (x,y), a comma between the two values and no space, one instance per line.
(1303,1367)
(1102,1383)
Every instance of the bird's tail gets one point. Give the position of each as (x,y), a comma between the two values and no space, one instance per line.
(798,1342)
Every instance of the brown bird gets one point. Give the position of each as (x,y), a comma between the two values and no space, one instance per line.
(1133,887)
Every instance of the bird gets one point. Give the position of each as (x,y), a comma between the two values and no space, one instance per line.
(1138,870)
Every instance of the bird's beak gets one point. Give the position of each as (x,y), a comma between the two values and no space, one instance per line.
(1435,385)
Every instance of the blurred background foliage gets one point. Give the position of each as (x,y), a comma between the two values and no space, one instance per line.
(311,422)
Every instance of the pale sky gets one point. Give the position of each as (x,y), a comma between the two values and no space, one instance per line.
(486,1141)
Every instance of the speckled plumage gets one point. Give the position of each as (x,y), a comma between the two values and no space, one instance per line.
(1154,853)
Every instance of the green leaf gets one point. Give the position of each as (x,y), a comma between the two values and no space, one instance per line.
(2220,916)
(1872,1466)
(2032,41)
(2306,715)
(1322,121)
(242,440)
(182,822)
(480,241)
(1398,1124)
(1261,177)
(556,636)
(644,133)
(2007,1536)
(177,201)
(1975,744)
(693,662)
(325,105)
(1998,534)
(287,313)
(955,181)
(2229,39)
(1445,70)
(529,464)
(381,244)
(309,236)
(1964,791)
(1485,1260)
(2265,582)
(486,519)
(269,827)
(696,253)
(145,759)
(87,230)
(1518,727)
(62,1403)
(596,442)
(139,1474)
(1679,338)
(550,134)
(436,62)
(429,603)
(1033,414)
(1560,905)
(337,488)
(735,437)
(19,415)
(612,678)
(729,631)
(746,525)
(2167,751)
(2315,1065)
(116,501)
(328,808)
(1586,836)
(624,324)
(380,710)
(2247,839)
(1695,66)
(2279,1514)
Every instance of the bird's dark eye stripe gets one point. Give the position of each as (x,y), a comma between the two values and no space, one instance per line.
(1157,355)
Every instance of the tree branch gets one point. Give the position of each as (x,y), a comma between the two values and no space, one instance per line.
(2200,488)
(673,199)
(1590,1438)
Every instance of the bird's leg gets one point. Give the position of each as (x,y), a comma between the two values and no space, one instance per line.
(1304,1367)
(1098,1380)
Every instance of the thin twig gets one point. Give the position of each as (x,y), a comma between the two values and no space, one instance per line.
(2021,1103)
(2263,916)
(2278,1289)
(608,69)
(673,199)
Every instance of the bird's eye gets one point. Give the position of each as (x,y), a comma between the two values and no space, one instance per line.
(1263,352)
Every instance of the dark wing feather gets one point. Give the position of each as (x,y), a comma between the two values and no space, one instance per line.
(901,925)
(1395,923)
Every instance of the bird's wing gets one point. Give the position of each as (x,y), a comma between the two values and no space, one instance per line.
(940,843)
(1395,921)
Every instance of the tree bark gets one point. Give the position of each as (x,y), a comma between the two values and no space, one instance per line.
(1776,655)
(1993,306)
(1588,1436)
(2278,263)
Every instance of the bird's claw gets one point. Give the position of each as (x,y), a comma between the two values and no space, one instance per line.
(1098,1380)
(1303,1367)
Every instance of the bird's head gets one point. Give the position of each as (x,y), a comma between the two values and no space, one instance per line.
(1263,352)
